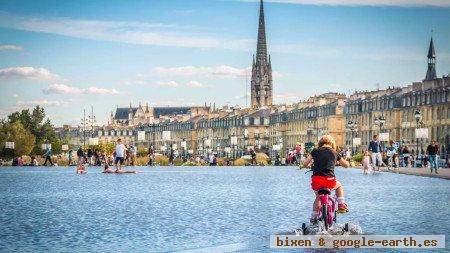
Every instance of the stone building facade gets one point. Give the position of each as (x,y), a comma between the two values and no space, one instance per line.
(399,106)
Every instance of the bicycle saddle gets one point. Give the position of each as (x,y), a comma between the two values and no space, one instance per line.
(324,191)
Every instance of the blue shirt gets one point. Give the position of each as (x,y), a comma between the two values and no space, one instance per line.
(375,147)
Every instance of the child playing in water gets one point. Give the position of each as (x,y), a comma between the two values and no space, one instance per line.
(325,158)
(81,169)
(366,162)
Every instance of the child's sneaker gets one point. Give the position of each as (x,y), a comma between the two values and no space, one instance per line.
(342,208)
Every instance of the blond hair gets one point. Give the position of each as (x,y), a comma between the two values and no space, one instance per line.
(327,140)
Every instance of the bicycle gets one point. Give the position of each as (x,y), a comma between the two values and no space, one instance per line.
(327,213)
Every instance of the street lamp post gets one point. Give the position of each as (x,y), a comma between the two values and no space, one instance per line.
(184,146)
(266,140)
(245,140)
(92,120)
(353,126)
(418,117)
(380,121)
(84,123)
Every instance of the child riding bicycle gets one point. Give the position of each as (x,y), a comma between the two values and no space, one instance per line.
(325,158)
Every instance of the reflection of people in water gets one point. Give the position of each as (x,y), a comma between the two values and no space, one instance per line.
(126,172)
(108,170)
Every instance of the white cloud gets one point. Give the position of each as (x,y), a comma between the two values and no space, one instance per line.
(404,3)
(66,89)
(97,90)
(20,105)
(46,103)
(10,48)
(28,73)
(195,84)
(141,33)
(169,84)
(225,71)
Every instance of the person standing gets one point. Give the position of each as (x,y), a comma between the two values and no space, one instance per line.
(253,155)
(150,156)
(348,154)
(375,149)
(48,156)
(89,155)
(70,155)
(80,155)
(406,156)
(432,152)
(120,152)
(133,154)
(171,155)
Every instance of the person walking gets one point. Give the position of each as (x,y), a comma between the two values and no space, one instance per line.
(120,151)
(432,152)
(48,156)
(375,149)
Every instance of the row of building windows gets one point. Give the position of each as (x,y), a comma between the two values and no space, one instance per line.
(391,102)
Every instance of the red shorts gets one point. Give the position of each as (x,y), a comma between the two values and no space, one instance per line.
(318,182)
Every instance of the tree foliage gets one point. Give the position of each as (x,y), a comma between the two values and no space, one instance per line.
(108,148)
(29,130)
(23,139)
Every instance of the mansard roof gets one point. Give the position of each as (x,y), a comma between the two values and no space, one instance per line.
(122,113)
(165,111)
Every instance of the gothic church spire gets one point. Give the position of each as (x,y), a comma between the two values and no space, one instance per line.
(261,51)
(261,84)
(431,72)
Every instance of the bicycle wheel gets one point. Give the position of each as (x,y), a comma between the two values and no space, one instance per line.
(325,216)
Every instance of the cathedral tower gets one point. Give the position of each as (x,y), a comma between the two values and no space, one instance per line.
(431,72)
(261,83)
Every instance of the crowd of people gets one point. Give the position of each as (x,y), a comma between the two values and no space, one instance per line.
(122,155)
(395,155)
(377,155)
(392,156)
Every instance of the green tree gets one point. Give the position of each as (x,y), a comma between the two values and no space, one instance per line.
(42,129)
(23,139)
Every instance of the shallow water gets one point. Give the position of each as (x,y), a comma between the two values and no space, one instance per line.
(199,209)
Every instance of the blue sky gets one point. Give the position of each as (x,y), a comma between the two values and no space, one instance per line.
(68,55)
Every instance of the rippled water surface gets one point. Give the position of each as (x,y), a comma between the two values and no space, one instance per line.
(199,209)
